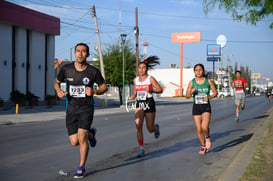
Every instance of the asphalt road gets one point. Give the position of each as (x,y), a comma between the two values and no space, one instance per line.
(38,150)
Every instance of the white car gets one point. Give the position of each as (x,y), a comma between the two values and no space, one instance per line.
(223,93)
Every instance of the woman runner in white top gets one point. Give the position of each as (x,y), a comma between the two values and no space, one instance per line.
(144,87)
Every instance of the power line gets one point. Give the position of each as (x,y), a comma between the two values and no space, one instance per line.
(45,3)
(175,16)
(207,40)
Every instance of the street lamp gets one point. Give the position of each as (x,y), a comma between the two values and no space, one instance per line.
(123,38)
(136,32)
(71,49)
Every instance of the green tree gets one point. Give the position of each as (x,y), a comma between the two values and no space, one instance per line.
(251,11)
(113,65)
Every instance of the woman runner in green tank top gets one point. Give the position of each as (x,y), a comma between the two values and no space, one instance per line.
(202,91)
(199,88)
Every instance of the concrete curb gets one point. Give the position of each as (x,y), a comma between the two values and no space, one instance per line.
(45,113)
(238,165)
(7,119)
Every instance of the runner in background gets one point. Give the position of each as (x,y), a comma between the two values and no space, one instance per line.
(239,84)
(144,87)
(199,88)
(268,94)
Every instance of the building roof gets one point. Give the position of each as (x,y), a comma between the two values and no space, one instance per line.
(28,18)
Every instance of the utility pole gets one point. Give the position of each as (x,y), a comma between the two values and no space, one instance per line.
(136,31)
(93,12)
(123,38)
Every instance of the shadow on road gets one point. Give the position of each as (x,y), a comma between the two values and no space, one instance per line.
(166,151)
(158,153)
(261,117)
(257,117)
(235,142)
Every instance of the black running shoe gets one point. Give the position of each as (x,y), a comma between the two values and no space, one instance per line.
(92,138)
(157,132)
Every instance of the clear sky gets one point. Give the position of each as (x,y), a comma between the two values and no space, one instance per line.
(247,45)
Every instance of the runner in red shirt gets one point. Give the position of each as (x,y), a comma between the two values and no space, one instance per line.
(239,84)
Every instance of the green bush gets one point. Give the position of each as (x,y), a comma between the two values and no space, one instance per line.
(17,96)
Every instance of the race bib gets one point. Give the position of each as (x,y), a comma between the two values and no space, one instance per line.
(77,91)
(141,95)
(200,99)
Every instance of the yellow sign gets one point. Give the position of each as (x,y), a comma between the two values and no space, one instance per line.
(256,76)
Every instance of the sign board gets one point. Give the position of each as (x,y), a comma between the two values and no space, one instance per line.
(213,59)
(220,72)
(186,37)
(221,40)
(267,79)
(255,75)
(213,50)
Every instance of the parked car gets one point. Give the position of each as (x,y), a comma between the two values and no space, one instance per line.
(224,93)
(258,92)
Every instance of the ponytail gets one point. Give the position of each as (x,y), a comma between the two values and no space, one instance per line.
(150,62)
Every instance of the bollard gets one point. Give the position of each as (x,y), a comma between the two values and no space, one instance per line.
(17,108)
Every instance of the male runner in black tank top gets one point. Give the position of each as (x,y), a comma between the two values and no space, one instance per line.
(80,78)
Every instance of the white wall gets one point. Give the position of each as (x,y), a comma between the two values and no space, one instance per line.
(20,59)
(170,79)
(36,60)
(50,64)
(5,56)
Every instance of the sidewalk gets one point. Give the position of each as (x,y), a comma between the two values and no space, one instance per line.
(47,113)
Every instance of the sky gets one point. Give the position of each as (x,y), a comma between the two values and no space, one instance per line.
(248,45)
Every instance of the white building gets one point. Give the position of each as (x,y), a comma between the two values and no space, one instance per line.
(169,79)
(27,50)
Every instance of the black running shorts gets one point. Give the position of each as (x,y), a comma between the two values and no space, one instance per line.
(79,120)
(147,105)
(199,109)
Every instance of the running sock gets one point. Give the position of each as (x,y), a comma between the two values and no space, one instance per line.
(140,143)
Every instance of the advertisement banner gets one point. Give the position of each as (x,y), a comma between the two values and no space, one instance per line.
(214,50)
(256,76)
(186,37)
